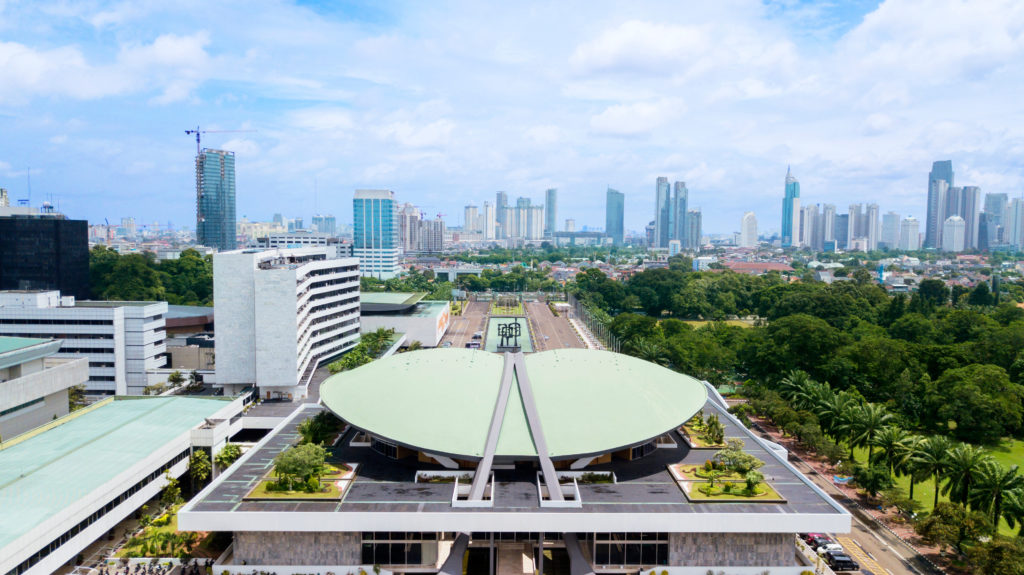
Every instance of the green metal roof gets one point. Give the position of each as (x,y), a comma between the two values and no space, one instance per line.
(44,474)
(9,344)
(391,297)
(442,401)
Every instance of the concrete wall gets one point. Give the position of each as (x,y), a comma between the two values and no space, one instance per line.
(51,384)
(297,548)
(428,330)
(276,351)
(731,549)
(234,292)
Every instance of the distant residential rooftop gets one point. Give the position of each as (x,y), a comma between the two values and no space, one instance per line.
(45,472)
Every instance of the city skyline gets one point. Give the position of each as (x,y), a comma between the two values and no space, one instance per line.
(98,99)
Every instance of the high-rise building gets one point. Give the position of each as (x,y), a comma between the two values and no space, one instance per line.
(680,201)
(128,227)
(748,230)
(550,212)
(808,221)
(988,232)
(44,252)
(910,234)
(890,231)
(1015,223)
(842,231)
(650,234)
(996,205)
(432,236)
(662,213)
(409,217)
(940,179)
(570,224)
(614,216)
(501,214)
(970,205)
(953,234)
(289,311)
(863,224)
(215,199)
(469,221)
(694,228)
(325,224)
(791,211)
(375,233)
(828,223)
(488,221)
(534,222)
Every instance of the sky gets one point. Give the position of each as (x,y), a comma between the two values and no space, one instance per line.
(447,102)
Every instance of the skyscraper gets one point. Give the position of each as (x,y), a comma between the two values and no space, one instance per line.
(890,231)
(970,205)
(791,211)
(662,213)
(940,179)
(828,222)
(910,234)
(409,217)
(215,199)
(500,214)
(694,229)
(325,224)
(489,221)
(614,215)
(1015,223)
(748,230)
(680,199)
(953,234)
(432,236)
(534,222)
(45,252)
(842,231)
(996,206)
(469,221)
(375,233)
(808,220)
(550,212)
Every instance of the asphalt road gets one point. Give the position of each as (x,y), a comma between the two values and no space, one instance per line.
(559,333)
(462,327)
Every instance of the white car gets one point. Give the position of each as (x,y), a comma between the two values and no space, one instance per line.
(829,547)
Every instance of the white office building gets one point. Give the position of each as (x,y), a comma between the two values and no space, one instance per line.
(33,385)
(748,230)
(953,230)
(123,340)
(890,230)
(280,315)
(910,234)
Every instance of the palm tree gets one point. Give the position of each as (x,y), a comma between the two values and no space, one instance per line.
(834,412)
(648,350)
(993,486)
(863,422)
(1013,508)
(907,464)
(931,460)
(963,468)
(890,441)
(795,383)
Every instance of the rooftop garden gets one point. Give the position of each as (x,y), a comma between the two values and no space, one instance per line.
(302,472)
(704,433)
(732,475)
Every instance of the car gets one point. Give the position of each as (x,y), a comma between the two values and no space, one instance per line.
(819,541)
(473,345)
(446,344)
(829,547)
(840,561)
(478,335)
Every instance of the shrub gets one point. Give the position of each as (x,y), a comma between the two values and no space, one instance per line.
(708,465)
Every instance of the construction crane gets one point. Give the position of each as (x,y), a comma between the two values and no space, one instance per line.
(197,132)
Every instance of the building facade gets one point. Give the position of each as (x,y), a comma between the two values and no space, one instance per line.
(791,211)
(215,199)
(44,252)
(550,212)
(280,315)
(890,231)
(910,234)
(748,230)
(614,216)
(953,234)
(124,341)
(375,239)
(33,384)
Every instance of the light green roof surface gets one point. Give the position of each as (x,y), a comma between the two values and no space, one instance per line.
(9,344)
(391,297)
(42,475)
(493,339)
(442,401)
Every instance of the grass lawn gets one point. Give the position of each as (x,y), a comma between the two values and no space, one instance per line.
(765,493)
(260,492)
(924,491)
(690,473)
(697,324)
(696,442)
(506,310)
(171,527)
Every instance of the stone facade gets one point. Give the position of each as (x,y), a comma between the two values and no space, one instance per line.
(297,548)
(731,549)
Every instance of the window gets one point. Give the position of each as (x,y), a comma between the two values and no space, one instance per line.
(642,450)
(398,548)
(630,549)
(385,448)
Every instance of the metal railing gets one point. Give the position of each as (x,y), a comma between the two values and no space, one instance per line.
(596,326)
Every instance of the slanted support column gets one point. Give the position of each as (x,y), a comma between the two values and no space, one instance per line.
(536,430)
(453,564)
(578,564)
(483,470)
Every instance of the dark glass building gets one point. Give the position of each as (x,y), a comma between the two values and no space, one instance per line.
(45,252)
(215,199)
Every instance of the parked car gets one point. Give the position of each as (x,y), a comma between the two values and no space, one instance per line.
(478,335)
(809,537)
(840,561)
(819,541)
(446,344)
(829,547)
(473,345)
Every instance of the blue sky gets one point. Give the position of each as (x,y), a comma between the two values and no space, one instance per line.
(447,102)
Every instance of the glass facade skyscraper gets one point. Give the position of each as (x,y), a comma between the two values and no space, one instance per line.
(375,233)
(215,199)
(550,212)
(614,215)
(663,210)
(940,180)
(790,211)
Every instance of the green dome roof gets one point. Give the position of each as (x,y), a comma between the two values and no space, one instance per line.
(442,401)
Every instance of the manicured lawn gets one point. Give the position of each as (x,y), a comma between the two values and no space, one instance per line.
(506,310)
(1009,452)
(765,493)
(260,492)
(697,324)
(698,443)
(694,472)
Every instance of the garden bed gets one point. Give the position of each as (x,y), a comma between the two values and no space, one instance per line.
(764,494)
(694,440)
(335,481)
(444,476)
(684,472)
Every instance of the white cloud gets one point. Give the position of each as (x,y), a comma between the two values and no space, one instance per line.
(637,119)
(437,133)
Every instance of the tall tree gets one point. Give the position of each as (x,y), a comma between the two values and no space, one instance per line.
(963,467)
(931,458)
(891,442)
(863,423)
(993,485)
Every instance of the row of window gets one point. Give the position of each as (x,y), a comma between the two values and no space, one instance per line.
(64,335)
(34,321)
(312,301)
(66,349)
(22,406)
(96,515)
(101,364)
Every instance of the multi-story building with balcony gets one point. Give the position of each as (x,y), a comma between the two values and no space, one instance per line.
(123,340)
(33,385)
(281,313)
